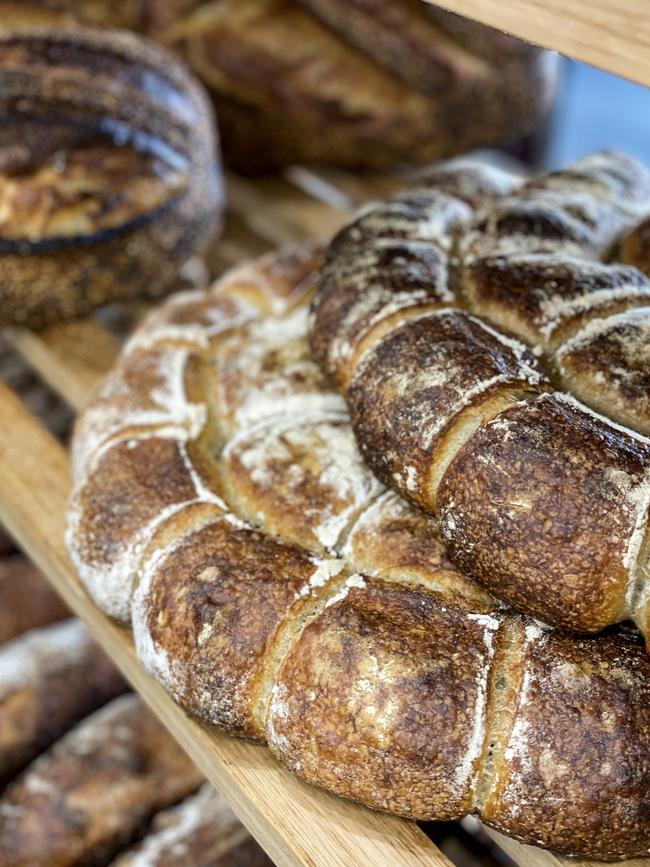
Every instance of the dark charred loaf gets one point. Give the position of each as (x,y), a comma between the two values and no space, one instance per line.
(110,180)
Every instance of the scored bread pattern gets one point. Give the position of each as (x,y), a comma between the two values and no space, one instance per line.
(518,414)
(277,590)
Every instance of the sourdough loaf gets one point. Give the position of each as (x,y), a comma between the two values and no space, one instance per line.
(49,679)
(109,176)
(495,365)
(94,791)
(278,591)
(326,81)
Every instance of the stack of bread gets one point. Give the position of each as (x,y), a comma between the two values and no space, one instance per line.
(358,84)
(280,591)
(87,774)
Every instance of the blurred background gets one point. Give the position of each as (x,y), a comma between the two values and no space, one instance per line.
(596,110)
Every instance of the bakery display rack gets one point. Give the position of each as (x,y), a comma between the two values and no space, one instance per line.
(295,823)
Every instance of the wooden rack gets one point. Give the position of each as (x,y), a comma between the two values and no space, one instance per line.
(611,34)
(296,823)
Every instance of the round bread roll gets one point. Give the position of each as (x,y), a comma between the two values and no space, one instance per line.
(109,174)
(278,591)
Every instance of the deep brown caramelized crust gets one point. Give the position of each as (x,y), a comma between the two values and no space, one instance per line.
(541,498)
(109,175)
(560,548)
(324,81)
(277,590)
(583,768)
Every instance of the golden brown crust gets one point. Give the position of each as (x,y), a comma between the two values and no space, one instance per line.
(544,299)
(302,480)
(607,364)
(95,790)
(596,776)
(260,59)
(547,489)
(344,76)
(397,542)
(207,613)
(381,268)
(26,598)
(528,262)
(114,514)
(412,387)
(400,688)
(112,89)
(49,679)
(379,701)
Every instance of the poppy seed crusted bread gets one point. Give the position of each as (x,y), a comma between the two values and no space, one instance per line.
(109,171)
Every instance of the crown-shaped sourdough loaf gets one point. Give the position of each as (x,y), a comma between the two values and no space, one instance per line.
(495,362)
(279,591)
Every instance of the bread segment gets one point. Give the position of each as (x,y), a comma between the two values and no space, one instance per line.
(382,699)
(584,771)
(416,385)
(547,504)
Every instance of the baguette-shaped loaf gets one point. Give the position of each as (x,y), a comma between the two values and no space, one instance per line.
(201,831)
(542,495)
(94,791)
(26,599)
(277,590)
(49,679)
(109,176)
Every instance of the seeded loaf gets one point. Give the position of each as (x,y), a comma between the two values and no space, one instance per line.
(109,171)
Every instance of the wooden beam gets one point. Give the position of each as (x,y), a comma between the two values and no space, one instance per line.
(611,34)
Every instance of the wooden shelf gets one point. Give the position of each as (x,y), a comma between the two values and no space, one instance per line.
(296,823)
(611,34)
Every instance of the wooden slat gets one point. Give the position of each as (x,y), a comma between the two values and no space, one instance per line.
(71,357)
(296,823)
(281,213)
(531,856)
(611,34)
